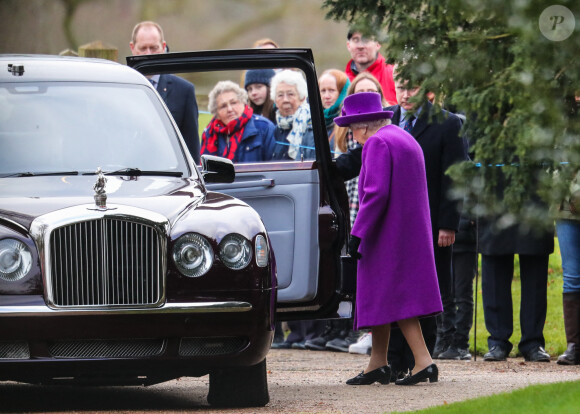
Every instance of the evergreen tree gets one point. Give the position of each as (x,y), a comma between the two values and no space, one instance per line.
(511,66)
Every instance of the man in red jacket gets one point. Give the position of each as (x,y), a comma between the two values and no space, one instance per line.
(366,57)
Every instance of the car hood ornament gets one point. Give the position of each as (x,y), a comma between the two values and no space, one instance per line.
(100,193)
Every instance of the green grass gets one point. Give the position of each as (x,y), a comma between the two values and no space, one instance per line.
(554,327)
(202,122)
(558,398)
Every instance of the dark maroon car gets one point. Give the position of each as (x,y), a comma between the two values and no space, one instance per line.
(121,263)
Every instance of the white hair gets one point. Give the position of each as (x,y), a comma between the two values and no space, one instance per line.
(289,77)
(225,86)
(372,125)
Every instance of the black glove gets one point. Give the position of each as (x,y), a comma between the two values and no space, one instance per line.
(353,244)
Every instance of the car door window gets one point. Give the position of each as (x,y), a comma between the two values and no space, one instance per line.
(286,198)
(301,200)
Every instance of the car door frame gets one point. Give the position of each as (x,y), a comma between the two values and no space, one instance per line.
(334,280)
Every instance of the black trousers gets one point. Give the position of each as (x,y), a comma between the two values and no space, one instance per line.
(301,331)
(399,354)
(444,329)
(458,318)
(497,274)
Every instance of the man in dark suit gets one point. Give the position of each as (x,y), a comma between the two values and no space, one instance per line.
(499,241)
(178,94)
(442,146)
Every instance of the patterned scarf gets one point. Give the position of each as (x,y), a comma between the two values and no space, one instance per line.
(299,122)
(232,132)
(334,110)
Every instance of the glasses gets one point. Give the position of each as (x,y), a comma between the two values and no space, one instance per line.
(360,40)
(290,95)
(224,106)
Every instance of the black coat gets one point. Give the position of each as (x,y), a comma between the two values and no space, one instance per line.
(442,147)
(179,96)
(466,237)
(518,238)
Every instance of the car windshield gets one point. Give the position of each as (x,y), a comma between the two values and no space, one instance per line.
(76,127)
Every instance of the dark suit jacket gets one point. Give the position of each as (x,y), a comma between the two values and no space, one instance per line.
(179,96)
(348,164)
(498,238)
(442,147)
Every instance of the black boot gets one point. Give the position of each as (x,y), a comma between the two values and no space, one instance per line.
(571,304)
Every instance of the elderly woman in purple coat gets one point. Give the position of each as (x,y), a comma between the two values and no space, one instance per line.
(391,237)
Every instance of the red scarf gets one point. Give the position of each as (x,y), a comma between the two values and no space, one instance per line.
(233,131)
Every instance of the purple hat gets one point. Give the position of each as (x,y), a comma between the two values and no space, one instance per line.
(361,107)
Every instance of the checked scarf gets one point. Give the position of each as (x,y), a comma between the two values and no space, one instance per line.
(232,133)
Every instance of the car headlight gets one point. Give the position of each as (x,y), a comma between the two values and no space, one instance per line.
(15,260)
(235,251)
(262,252)
(193,255)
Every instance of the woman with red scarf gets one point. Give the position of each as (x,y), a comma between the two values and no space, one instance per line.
(235,132)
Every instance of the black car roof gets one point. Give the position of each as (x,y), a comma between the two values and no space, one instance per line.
(49,68)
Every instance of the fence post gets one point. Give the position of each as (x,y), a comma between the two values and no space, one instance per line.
(68,52)
(98,49)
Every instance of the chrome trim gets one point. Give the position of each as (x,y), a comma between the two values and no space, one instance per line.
(43,226)
(168,308)
(23,229)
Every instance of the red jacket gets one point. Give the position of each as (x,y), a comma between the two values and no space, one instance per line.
(384,74)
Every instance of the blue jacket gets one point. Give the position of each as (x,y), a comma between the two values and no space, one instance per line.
(257,142)
(306,151)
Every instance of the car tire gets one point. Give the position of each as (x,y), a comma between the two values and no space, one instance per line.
(239,386)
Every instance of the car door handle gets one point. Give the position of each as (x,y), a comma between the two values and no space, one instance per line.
(264,182)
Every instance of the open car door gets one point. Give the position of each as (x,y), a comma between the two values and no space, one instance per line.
(303,202)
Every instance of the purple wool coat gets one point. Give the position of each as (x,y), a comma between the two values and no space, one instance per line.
(396,276)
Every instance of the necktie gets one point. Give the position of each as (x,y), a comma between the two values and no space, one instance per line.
(409,124)
(153,83)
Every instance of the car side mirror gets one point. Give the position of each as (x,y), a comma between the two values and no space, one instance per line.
(217,169)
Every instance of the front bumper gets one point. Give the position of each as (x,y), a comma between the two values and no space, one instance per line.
(42,345)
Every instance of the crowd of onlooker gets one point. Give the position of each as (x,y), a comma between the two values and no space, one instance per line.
(267,117)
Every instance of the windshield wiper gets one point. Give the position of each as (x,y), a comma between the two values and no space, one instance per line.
(39,174)
(134,172)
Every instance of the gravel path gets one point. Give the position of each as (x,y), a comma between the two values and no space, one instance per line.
(313,382)
(299,382)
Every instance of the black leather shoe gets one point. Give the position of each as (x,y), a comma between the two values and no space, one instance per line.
(455,353)
(496,353)
(431,373)
(381,375)
(538,354)
(571,356)
(397,375)
(440,347)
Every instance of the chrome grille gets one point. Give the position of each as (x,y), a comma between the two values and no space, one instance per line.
(130,348)
(106,262)
(14,350)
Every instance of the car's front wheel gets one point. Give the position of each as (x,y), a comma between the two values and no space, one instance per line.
(239,386)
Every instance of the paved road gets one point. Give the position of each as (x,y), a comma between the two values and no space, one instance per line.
(300,382)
